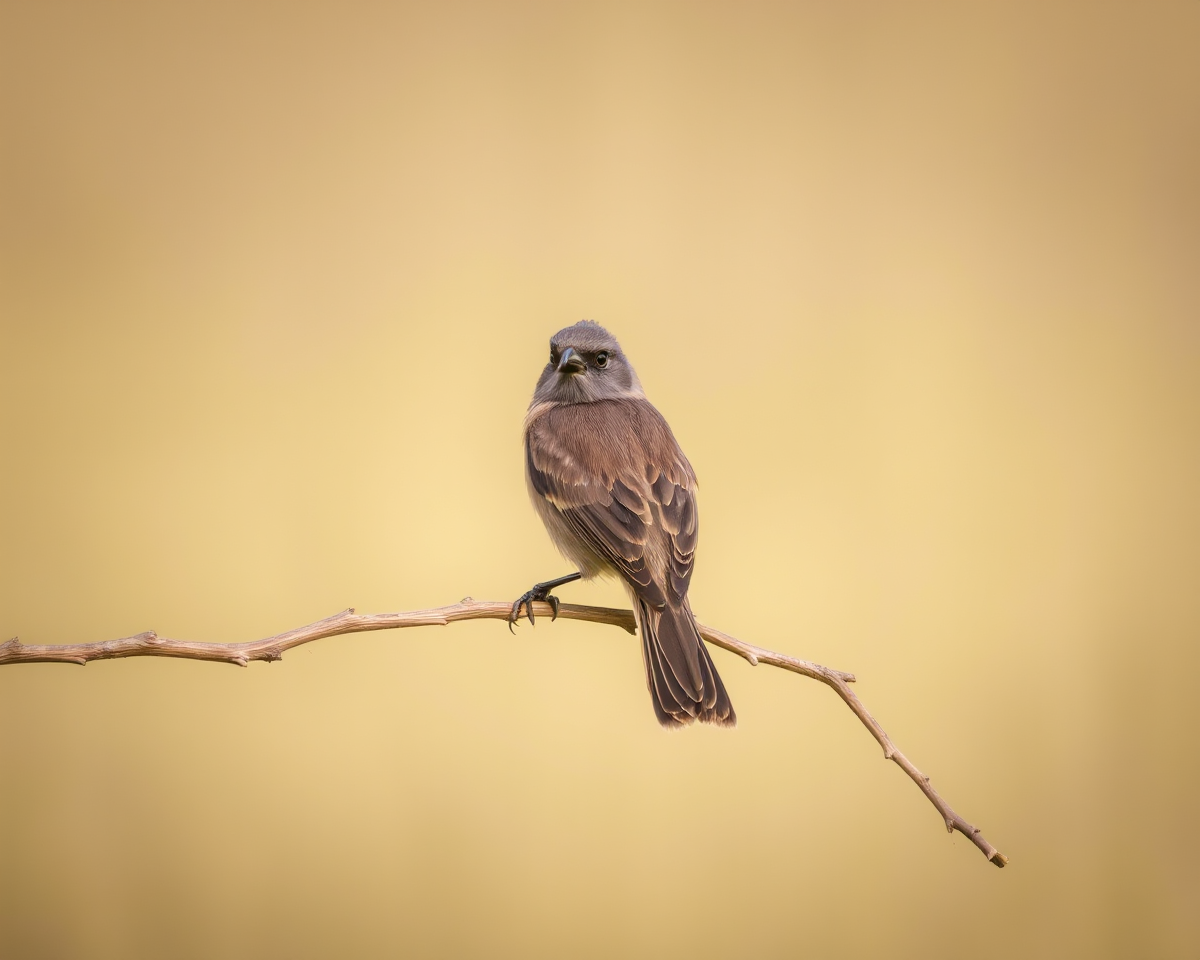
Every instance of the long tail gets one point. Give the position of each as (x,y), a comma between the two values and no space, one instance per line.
(684,684)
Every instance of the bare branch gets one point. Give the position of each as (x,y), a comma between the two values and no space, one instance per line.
(149,644)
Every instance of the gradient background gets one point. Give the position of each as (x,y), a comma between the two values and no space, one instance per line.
(915,284)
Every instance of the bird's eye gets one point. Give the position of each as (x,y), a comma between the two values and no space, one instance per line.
(602,358)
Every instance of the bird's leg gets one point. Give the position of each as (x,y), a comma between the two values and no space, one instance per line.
(540,591)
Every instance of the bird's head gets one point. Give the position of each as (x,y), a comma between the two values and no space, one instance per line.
(586,364)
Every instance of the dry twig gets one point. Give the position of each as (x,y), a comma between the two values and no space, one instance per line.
(149,644)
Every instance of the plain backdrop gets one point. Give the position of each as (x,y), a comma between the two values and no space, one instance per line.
(914,283)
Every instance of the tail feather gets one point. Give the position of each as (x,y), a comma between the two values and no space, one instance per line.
(661,696)
(684,684)
(717,710)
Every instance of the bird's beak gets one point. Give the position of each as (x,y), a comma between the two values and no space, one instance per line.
(571,362)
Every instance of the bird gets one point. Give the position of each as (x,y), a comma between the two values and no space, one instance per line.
(618,497)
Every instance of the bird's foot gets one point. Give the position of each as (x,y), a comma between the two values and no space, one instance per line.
(539,592)
(527,600)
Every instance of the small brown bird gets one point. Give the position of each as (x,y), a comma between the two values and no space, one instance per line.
(618,496)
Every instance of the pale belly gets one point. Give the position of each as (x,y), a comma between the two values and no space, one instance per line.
(577,551)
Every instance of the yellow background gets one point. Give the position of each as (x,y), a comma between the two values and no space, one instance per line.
(916,286)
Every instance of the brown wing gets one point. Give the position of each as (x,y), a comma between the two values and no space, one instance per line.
(616,475)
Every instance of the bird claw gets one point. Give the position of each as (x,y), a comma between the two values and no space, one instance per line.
(527,600)
(539,592)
